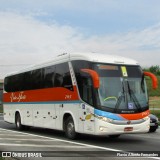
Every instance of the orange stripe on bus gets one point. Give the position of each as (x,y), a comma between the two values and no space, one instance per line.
(136,115)
(40,95)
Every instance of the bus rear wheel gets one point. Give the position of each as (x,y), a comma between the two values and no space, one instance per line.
(70,128)
(19,125)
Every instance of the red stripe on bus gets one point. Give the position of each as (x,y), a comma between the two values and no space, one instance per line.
(41,95)
(136,115)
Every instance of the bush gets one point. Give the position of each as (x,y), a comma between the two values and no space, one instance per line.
(151,91)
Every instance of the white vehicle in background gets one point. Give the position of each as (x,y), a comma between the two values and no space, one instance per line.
(87,93)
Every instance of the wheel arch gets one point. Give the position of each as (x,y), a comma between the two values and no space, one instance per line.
(16,113)
(65,116)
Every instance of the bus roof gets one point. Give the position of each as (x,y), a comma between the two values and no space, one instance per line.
(88,56)
(103,58)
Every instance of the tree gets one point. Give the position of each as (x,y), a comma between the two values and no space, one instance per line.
(155,69)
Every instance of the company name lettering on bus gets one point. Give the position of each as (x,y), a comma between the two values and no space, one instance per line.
(17,98)
(108,67)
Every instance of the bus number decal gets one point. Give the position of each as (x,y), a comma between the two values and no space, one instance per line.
(68,96)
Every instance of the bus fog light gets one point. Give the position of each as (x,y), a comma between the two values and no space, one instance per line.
(101,128)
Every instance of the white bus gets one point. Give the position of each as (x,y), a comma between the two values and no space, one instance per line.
(87,93)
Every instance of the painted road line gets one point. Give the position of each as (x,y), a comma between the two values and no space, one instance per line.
(26,139)
(67,141)
(19,135)
(44,146)
(77,143)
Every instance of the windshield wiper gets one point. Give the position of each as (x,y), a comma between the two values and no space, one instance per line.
(123,95)
(142,83)
(133,97)
(120,98)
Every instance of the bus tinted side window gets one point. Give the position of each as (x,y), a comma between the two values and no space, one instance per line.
(48,77)
(7,84)
(86,88)
(36,80)
(63,77)
(13,83)
(32,80)
(27,81)
(84,81)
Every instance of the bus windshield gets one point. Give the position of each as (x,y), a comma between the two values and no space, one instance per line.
(122,88)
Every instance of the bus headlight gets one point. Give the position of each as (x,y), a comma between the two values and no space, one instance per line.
(105,119)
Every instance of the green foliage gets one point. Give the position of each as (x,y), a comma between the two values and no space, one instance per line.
(151,91)
(155,70)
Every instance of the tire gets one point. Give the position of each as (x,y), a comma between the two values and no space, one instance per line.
(152,129)
(114,136)
(19,125)
(26,128)
(70,128)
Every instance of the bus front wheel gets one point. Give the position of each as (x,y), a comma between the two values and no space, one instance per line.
(70,128)
(19,125)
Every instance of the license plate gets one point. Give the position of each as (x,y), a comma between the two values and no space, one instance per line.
(128,129)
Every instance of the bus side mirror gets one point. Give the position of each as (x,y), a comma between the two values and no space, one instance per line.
(94,75)
(154,79)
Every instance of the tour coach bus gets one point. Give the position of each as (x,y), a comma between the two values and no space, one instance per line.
(87,93)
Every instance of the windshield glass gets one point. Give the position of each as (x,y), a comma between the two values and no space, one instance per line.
(122,88)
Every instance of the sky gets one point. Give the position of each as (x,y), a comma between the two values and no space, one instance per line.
(33,31)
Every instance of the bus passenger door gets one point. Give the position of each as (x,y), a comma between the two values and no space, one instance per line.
(86,120)
(86,93)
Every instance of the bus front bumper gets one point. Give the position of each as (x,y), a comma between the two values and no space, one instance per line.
(106,128)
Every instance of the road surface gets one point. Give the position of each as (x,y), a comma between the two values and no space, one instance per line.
(51,144)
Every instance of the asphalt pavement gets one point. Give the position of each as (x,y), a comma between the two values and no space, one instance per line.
(51,144)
